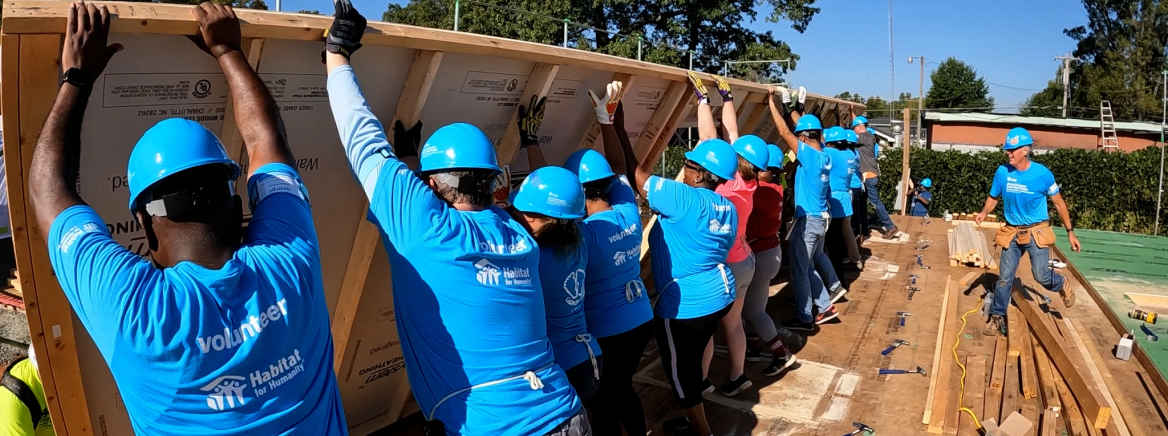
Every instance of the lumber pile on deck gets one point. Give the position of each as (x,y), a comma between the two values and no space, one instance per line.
(12,298)
(968,246)
(1043,369)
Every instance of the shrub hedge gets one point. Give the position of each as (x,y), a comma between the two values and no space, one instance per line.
(1103,190)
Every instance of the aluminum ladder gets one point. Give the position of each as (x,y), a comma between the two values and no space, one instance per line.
(1107,127)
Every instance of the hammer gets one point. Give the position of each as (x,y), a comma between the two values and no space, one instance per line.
(896,343)
(914,278)
(902,316)
(919,370)
(861,428)
(912,290)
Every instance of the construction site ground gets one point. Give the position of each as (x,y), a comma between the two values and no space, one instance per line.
(836,381)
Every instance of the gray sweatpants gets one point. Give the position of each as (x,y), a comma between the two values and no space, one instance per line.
(766,266)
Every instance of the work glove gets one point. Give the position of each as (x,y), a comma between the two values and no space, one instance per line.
(406,141)
(723,88)
(530,118)
(799,105)
(698,87)
(344,36)
(502,192)
(606,107)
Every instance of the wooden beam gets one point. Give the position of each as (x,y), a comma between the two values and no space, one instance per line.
(592,133)
(993,398)
(1094,406)
(1137,428)
(948,305)
(538,84)
(15,164)
(1096,375)
(944,368)
(751,97)
(975,367)
(1010,388)
(1072,414)
(1137,350)
(1014,331)
(1049,392)
(646,145)
(969,278)
(666,135)
(229,134)
(39,71)
(760,112)
(410,102)
(1029,374)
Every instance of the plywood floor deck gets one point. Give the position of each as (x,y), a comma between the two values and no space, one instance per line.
(837,380)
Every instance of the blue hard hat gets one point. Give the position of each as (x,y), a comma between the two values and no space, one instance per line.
(808,122)
(860,120)
(458,146)
(1017,137)
(753,149)
(835,134)
(716,156)
(775,156)
(171,146)
(551,191)
(853,138)
(589,165)
(928,183)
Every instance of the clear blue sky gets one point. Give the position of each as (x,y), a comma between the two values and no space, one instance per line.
(1010,42)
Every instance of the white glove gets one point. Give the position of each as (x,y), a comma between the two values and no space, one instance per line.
(606,107)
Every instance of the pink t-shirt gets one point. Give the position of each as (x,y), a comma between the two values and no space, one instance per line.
(741,194)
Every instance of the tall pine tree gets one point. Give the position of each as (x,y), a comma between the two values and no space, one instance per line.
(955,84)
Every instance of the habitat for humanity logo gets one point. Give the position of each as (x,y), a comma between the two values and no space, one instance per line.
(489,274)
(718,228)
(225,392)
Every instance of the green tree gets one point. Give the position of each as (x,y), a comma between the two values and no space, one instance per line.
(714,31)
(955,84)
(309,11)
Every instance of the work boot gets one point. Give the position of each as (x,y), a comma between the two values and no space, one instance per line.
(996,325)
(891,233)
(1066,292)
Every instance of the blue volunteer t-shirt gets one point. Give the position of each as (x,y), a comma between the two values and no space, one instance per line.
(812,187)
(242,350)
(1024,193)
(616,300)
(842,178)
(918,208)
(563,277)
(694,232)
(466,290)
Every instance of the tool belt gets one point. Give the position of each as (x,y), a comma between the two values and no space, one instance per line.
(1039,233)
(23,392)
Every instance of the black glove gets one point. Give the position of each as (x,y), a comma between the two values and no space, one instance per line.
(529,120)
(406,142)
(344,36)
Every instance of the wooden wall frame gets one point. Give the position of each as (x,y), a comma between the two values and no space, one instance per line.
(30,71)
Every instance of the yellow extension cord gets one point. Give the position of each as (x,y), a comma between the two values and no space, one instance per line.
(955,359)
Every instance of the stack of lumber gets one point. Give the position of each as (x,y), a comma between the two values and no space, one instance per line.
(11,298)
(968,246)
(1044,369)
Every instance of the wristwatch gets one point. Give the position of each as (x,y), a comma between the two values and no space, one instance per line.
(78,78)
(1070,229)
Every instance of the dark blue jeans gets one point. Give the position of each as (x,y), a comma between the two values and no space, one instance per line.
(1008,269)
(874,197)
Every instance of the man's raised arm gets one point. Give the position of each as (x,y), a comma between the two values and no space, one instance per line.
(260,125)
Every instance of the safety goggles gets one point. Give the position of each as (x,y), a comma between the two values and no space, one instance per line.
(184,202)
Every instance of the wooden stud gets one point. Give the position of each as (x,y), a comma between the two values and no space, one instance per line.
(904,168)
(993,397)
(757,114)
(678,115)
(948,306)
(953,408)
(751,97)
(592,133)
(39,73)
(538,84)
(646,145)
(1094,406)
(1096,376)
(410,102)
(969,278)
(1010,389)
(1049,392)
(975,371)
(942,372)
(1014,331)
(1030,412)
(1029,374)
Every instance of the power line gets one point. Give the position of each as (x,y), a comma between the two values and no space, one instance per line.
(1012,87)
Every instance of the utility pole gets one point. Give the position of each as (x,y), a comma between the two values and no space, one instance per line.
(1163,113)
(891,64)
(1066,78)
(920,97)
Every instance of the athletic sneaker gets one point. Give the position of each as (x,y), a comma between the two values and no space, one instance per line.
(996,325)
(1067,293)
(827,315)
(709,387)
(783,359)
(838,293)
(753,355)
(796,324)
(679,426)
(735,387)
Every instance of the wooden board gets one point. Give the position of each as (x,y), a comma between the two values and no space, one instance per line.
(1096,376)
(993,397)
(969,278)
(1093,404)
(975,371)
(1011,390)
(941,395)
(1029,374)
(948,305)
(1014,331)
